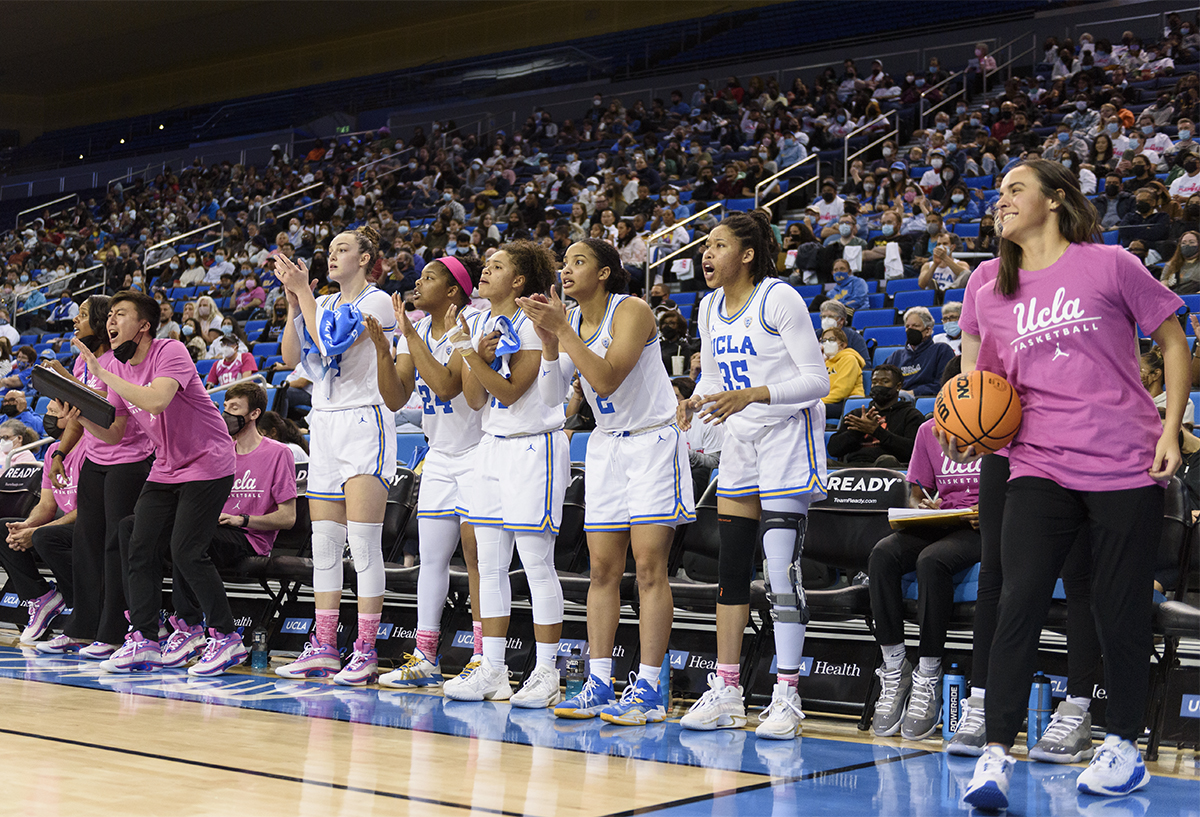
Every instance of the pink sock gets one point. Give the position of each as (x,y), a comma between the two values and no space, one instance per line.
(792,679)
(477,631)
(730,674)
(327,623)
(368,629)
(427,643)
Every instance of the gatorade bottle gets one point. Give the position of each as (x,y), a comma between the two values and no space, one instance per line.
(954,691)
(1040,709)
(574,677)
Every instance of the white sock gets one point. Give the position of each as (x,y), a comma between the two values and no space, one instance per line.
(546,653)
(602,668)
(893,655)
(977,692)
(1082,703)
(493,650)
(649,674)
(929,666)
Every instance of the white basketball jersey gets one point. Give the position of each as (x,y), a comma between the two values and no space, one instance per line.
(451,427)
(529,415)
(749,351)
(355,383)
(645,397)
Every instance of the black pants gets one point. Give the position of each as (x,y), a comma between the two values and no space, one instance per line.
(1083,648)
(937,555)
(189,510)
(1042,520)
(228,547)
(107,494)
(53,544)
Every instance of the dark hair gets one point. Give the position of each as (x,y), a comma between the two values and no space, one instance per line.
(28,351)
(147,307)
(607,256)
(533,261)
(1154,359)
(98,307)
(1077,221)
(753,230)
(474,267)
(889,367)
(686,386)
(255,395)
(953,369)
(270,424)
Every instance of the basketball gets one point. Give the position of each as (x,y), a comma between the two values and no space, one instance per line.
(978,409)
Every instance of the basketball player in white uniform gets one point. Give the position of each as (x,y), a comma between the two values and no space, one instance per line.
(639,483)
(353,441)
(425,359)
(521,473)
(763,376)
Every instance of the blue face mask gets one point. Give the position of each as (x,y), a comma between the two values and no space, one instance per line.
(888,229)
(840,119)
(1112,127)
(24,279)
(451,246)
(844,229)
(1064,137)
(974,122)
(1185,134)
(218,258)
(188,330)
(226,330)
(840,276)
(951,329)
(1148,130)
(941,126)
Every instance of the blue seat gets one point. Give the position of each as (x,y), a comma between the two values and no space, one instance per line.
(985,182)
(264,349)
(272,360)
(876,300)
(579,442)
(203,367)
(739,205)
(967,229)
(1192,302)
(901,285)
(953,295)
(682,298)
(864,318)
(925,404)
(254,328)
(809,290)
(686,310)
(816,320)
(886,335)
(853,403)
(966,585)
(882,353)
(42,404)
(278,377)
(920,297)
(1110,237)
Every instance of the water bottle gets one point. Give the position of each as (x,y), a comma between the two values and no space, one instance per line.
(260,656)
(575,675)
(1039,710)
(664,681)
(954,690)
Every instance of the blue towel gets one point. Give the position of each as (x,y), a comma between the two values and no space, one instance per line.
(339,329)
(510,342)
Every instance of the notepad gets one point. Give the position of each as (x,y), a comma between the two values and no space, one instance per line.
(910,517)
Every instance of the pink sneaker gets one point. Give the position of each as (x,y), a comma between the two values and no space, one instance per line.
(317,661)
(60,645)
(98,651)
(361,669)
(137,654)
(222,653)
(42,611)
(185,643)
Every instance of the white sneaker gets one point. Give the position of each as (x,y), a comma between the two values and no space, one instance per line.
(1116,770)
(781,720)
(721,707)
(98,651)
(988,789)
(481,682)
(540,690)
(61,644)
(417,672)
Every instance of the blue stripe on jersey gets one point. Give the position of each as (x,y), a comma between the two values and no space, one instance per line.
(733,318)
(608,308)
(437,514)
(810,438)
(338,497)
(762,307)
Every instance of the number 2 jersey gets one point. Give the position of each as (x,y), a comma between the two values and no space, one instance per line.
(451,426)
(528,415)
(768,342)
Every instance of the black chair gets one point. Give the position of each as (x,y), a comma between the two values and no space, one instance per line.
(20,490)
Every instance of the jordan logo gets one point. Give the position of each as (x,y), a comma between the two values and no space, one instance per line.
(660,438)
(362,420)
(531,447)
(1058,352)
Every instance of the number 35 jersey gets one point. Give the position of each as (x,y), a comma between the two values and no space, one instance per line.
(746,349)
(451,426)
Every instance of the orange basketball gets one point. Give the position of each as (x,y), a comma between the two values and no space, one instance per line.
(978,409)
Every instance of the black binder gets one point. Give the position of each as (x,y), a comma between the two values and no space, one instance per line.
(50,383)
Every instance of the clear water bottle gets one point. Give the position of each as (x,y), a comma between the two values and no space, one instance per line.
(954,690)
(575,675)
(260,656)
(1040,709)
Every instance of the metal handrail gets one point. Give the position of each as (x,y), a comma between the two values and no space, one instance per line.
(42,206)
(921,105)
(894,133)
(960,92)
(201,246)
(175,238)
(48,284)
(297,209)
(250,378)
(31,446)
(649,278)
(269,202)
(358,170)
(788,169)
(933,88)
(679,224)
(1008,63)
(795,189)
(860,129)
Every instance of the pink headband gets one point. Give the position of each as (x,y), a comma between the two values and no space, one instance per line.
(459,272)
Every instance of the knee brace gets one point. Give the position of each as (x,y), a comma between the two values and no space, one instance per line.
(494,547)
(789,606)
(735,561)
(545,590)
(328,544)
(367,553)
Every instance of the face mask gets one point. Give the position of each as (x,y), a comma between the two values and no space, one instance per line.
(868,189)
(933,229)
(234,422)
(884,395)
(840,276)
(1066,163)
(828,323)
(829,347)
(446,197)
(451,246)
(844,230)
(993,110)
(961,109)
(951,147)
(947,175)
(174,265)
(1184,134)
(24,279)
(125,352)
(828,197)
(226,330)
(187,331)
(1188,250)
(1148,130)
(897,177)
(951,329)
(1144,207)
(941,126)
(908,77)
(192,260)
(1139,170)
(986,229)
(957,198)
(887,152)
(937,164)
(1191,165)
(913,337)
(1112,127)
(218,258)
(920,81)
(1064,137)
(974,122)
(1080,105)
(888,229)
(841,118)
(10,409)
(228,352)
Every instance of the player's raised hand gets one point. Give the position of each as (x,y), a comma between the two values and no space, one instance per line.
(293,276)
(378,337)
(403,325)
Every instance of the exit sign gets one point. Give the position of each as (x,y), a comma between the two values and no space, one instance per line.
(343,129)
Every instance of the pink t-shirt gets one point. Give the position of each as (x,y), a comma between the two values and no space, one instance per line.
(135,446)
(1067,342)
(246,296)
(191,440)
(264,478)
(65,498)
(957,485)
(225,371)
(984,274)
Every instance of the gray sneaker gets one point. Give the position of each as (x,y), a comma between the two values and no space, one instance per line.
(924,707)
(1068,739)
(971,735)
(893,697)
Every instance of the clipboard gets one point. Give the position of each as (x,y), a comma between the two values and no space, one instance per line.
(900,518)
(95,408)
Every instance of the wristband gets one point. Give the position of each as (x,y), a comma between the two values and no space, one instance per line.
(462,345)
(58,453)
(245,520)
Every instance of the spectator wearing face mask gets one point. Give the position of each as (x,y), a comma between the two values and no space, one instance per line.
(1187,184)
(932,177)
(231,365)
(943,271)
(1113,204)
(829,208)
(1182,271)
(1151,371)
(950,335)
(62,316)
(1146,222)
(15,434)
(834,315)
(229,329)
(1081,120)
(22,371)
(921,361)
(848,289)
(220,266)
(16,407)
(167,327)
(845,368)
(1185,142)
(884,432)
(1063,143)
(1143,174)
(209,317)
(677,349)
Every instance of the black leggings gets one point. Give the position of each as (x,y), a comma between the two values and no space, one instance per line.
(1083,647)
(937,555)
(53,544)
(189,511)
(1042,521)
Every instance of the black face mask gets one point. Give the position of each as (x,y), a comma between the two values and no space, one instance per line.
(1190,165)
(92,342)
(234,422)
(10,409)
(1112,191)
(914,337)
(1139,170)
(1192,211)
(655,300)
(884,395)
(125,352)
(828,197)
(50,423)
(986,229)
(1144,207)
